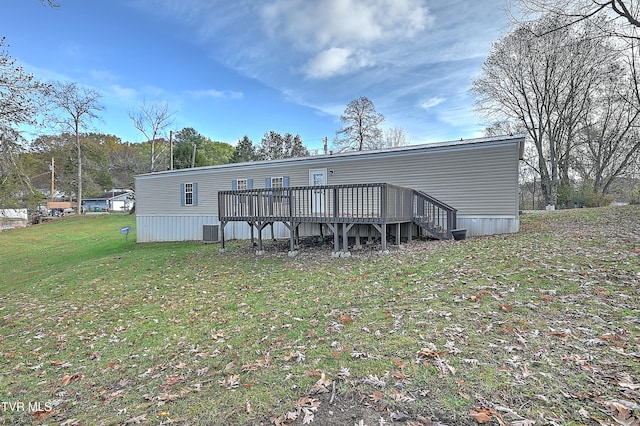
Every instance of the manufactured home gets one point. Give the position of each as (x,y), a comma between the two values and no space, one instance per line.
(116,200)
(430,189)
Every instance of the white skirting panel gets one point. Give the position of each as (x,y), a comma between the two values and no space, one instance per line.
(171,228)
(477,226)
(189,228)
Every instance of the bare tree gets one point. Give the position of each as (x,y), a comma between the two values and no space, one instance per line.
(360,131)
(51,3)
(505,127)
(78,106)
(152,120)
(21,102)
(610,140)
(395,137)
(623,14)
(544,82)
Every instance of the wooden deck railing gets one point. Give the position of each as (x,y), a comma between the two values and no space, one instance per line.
(338,206)
(368,203)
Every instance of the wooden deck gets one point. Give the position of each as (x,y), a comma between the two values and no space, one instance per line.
(340,207)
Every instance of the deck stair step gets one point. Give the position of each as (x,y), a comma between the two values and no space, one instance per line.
(436,218)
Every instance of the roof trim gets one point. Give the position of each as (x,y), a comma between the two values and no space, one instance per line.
(445,145)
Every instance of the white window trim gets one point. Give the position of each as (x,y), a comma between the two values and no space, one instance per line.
(188,185)
(280,178)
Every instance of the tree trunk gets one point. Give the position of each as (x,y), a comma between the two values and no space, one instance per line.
(79,196)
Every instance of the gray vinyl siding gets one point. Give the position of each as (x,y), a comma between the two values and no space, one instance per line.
(478,179)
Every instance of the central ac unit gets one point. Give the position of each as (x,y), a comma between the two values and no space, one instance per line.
(210,233)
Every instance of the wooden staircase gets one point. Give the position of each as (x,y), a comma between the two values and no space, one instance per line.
(436,218)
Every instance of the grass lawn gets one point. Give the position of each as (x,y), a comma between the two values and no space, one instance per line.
(537,328)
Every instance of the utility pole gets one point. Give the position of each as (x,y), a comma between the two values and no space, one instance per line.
(53,164)
(326,148)
(193,156)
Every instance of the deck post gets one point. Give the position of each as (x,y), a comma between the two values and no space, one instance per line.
(293,228)
(345,239)
(260,251)
(383,233)
(336,239)
(222,225)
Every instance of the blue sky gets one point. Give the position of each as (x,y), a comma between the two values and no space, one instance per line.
(245,67)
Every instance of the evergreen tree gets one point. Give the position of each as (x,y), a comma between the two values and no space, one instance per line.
(245,151)
(275,146)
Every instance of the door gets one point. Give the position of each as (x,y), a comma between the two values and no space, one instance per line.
(318,177)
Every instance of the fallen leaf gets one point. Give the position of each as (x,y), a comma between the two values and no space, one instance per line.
(399,416)
(230,382)
(481,415)
(628,385)
(68,378)
(308,416)
(622,414)
(42,415)
(376,396)
(400,376)
(546,298)
(400,363)
(321,386)
(136,420)
(525,422)
(584,413)
(345,319)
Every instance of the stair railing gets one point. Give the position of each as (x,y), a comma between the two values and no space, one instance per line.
(434,213)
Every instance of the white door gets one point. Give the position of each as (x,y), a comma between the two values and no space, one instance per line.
(318,177)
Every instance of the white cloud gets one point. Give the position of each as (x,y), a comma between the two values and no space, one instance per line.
(124,93)
(348,23)
(343,36)
(217,94)
(103,75)
(410,56)
(431,102)
(335,61)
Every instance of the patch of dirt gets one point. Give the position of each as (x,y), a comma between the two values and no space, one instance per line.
(353,409)
(316,247)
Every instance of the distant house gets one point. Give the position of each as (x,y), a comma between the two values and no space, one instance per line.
(13,218)
(116,200)
(61,207)
(432,188)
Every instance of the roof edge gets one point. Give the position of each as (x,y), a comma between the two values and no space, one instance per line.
(430,145)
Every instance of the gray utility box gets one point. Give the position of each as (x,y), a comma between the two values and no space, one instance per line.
(210,233)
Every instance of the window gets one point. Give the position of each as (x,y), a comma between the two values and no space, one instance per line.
(277,182)
(241,184)
(189,194)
